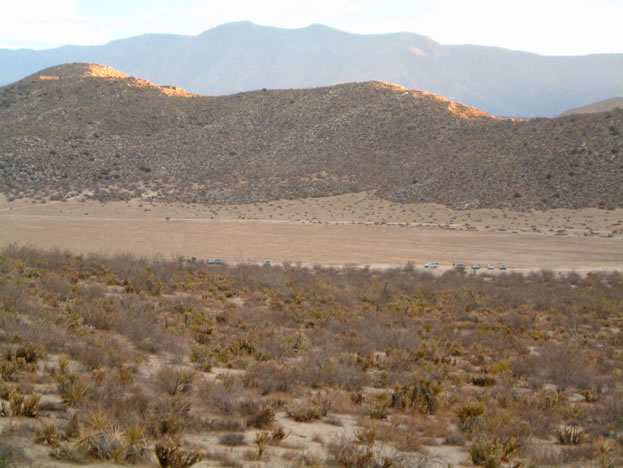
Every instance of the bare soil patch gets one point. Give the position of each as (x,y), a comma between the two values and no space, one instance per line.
(355,229)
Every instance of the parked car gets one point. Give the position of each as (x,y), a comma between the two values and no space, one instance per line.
(459,266)
(490,266)
(216,261)
(476,266)
(266,262)
(431,265)
(502,266)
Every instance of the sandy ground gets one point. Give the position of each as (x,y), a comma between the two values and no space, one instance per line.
(354,229)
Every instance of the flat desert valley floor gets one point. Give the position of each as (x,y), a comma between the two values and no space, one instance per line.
(352,229)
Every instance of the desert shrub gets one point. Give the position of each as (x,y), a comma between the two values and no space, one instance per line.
(378,406)
(491,453)
(47,434)
(232,439)
(13,295)
(347,454)
(99,439)
(40,330)
(278,434)
(570,435)
(420,396)
(305,413)
(201,355)
(98,352)
(454,438)
(486,454)
(566,366)
(483,381)
(52,259)
(138,321)
(317,407)
(20,405)
(261,440)
(468,415)
(135,451)
(229,397)
(261,418)
(29,352)
(319,372)
(366,435)
(170,455)
(269,377)
(71,388)
(169,416)
(10,365)
(57,286)
(174,380)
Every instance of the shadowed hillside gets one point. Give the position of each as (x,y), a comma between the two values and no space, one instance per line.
(87,128)
(244,56)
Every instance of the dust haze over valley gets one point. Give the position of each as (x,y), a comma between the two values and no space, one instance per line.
(318,339)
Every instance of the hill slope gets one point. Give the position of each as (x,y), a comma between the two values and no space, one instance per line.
(243,56)
(84,127)
(601,106)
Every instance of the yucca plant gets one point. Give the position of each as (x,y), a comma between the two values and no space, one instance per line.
(100,439)
(170,455)
(570,435)
(135,449)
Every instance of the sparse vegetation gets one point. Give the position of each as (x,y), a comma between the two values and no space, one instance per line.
(404,360)
(168,160)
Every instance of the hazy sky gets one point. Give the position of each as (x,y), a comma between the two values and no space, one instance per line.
(551,27)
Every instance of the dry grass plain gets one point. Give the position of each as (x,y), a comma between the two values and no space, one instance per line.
(353,229)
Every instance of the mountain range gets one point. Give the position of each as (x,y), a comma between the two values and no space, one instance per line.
(86,130)
(243,56)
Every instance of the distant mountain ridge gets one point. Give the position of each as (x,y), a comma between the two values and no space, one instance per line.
(85,130)
(243,56)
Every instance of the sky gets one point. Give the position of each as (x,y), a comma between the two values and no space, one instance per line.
(547,27)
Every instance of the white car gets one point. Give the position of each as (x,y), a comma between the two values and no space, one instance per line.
(431,265)
(490,266)
(502,266)
(476,266)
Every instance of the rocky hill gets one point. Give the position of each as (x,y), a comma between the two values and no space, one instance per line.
(88,129)
(243,56)
(601,106)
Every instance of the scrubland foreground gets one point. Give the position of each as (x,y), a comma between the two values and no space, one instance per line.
(120,360)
